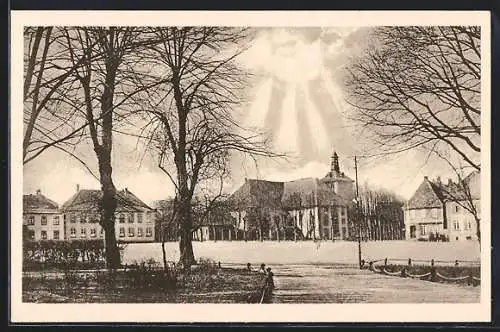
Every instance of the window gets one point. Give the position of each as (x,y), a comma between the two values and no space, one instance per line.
(72,232)
(102,231)
(31,220)
(434,213)
(149,232)
(139,232)
(457,208)
(94,219)
(456,225)
(44,235)
(83,220)
(131,231)
(139,218)
(31,235)
(44,220)
(56,235)
(121,218)
(72,219)
(343,211)
(93,233)
(148,218)
(56,220)
(423,229)
(83,232)
(122,232)
(467,225)
(130,218)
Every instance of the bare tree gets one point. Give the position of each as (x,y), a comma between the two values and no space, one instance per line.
(103,95)
(420,87)
(193,115)
(465,192)
(48,119)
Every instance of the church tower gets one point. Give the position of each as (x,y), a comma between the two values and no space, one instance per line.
(335,168)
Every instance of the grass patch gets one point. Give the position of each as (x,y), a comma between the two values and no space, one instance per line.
(205,284)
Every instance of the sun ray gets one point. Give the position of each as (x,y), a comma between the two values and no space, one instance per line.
(286,138)
(305,143)
(321,139)
(259,107)
(275,105)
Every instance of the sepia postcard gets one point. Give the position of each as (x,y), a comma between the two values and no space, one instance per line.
(250,166)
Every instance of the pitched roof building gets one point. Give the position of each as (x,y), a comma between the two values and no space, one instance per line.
(442,209)
(312,207)
(42,219)
(134,218)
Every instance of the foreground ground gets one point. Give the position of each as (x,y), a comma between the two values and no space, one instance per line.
(344,284)
(216,286)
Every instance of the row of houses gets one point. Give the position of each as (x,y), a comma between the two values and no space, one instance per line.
(309,208)
(78,218)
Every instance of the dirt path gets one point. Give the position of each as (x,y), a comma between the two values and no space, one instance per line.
(341,284)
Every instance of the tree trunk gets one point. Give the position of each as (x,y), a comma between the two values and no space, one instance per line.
(186,241)
(108,217)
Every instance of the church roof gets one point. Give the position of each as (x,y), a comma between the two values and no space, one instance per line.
(258,193)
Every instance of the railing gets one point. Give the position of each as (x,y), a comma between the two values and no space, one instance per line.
(432,274)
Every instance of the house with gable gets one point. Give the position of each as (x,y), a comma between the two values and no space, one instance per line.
(42,219)
(442,210)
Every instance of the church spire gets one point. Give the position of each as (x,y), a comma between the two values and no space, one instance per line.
(335,169)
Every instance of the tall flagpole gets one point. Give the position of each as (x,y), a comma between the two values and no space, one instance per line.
(358,213)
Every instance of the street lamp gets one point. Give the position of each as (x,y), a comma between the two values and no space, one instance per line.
(358,219)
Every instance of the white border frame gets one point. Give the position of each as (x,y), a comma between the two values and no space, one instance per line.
(31,312)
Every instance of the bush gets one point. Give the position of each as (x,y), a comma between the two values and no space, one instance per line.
(63,254)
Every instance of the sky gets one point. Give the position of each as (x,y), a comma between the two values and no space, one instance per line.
(296,95)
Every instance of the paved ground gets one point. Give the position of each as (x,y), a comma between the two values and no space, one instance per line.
(344,284)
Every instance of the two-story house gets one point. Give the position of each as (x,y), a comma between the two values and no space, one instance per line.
(42,219)
(444,209)
(134,219)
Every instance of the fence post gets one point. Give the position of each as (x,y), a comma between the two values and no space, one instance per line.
(409,261)
(385,262)
(433,271)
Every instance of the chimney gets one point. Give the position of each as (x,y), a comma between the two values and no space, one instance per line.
(77,188)
(450,182)
(38,192)
(426,178)
(438,180)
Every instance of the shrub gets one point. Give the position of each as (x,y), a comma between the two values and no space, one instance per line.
(63,254)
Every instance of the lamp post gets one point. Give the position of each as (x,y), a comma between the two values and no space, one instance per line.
(358,219)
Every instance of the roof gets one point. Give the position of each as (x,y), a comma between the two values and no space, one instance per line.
(258,193)
(431,194)
(88,199)
(39,203)
(336,176)
(300,193)
(425,196)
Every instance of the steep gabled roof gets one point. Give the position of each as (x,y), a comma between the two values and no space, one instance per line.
(426,196)
(38,202)
(88,200)
(258,193)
